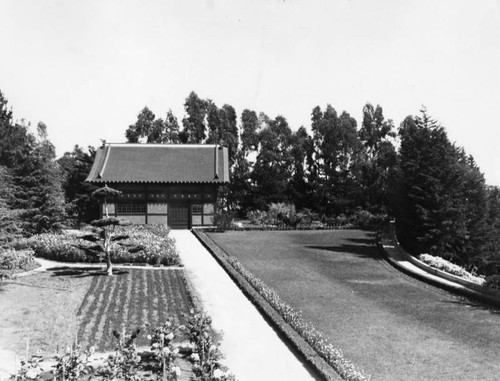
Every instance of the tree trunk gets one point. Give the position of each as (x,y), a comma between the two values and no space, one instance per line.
(107,249)
(109,265)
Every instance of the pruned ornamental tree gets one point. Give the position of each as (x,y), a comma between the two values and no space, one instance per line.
(104,229)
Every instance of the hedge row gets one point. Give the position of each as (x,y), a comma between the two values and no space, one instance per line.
(146,245)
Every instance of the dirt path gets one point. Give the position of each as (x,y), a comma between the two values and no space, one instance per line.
(38,313)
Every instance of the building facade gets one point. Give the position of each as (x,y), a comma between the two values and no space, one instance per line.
(173,184)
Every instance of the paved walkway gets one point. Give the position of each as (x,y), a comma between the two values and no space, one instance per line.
(252,348)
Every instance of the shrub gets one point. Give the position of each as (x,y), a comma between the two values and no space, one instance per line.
(145,244)
(493,281)
(444,265)
(12,260)
(60,247)
(223,219)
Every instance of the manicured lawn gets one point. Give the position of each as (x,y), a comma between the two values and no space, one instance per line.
(392,326)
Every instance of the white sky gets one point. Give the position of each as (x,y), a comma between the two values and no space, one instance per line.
(86,68)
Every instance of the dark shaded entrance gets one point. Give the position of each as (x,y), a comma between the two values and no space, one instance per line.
(178,217)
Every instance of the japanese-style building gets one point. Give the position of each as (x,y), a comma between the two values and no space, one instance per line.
(174,184)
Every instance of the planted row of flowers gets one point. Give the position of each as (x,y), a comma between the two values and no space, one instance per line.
(167,347)
(334,356)
(145,244)
(446,266)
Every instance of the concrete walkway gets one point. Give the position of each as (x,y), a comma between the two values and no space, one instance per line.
(252,348)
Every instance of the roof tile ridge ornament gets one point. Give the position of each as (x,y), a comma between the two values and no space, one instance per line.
(101,172)
(216,169)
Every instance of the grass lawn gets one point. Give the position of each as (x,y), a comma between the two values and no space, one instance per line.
(54,308)
(392,326)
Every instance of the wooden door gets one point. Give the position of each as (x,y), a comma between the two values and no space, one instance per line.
(178,216)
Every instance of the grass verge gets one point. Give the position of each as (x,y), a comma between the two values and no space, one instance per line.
(316,351)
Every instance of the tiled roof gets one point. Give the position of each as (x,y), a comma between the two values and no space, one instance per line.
(160,163)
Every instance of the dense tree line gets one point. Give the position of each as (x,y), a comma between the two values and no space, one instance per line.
(31,196)
(414,173)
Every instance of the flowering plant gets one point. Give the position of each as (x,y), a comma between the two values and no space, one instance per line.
(314,337)
(164,351)
(206,357)
(73,364)
(446,266)
(124,364)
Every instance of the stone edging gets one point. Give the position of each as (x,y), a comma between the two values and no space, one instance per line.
(458,285)
(312,359)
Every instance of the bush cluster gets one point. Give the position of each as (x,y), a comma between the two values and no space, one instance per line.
(282,215)
(146,244)
(334,356)
(12,260)
(446,266)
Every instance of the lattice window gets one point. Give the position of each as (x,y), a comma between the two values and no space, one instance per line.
(131,208)
(197,209)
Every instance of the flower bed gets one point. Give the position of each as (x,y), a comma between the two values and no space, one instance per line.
(146,244)
(13,260)
(334,356)
(309,342)
(446,266)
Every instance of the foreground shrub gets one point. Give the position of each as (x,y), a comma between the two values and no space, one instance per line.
(444,265)
(206,356)
(13,260)
(332,355)
(145,244)
(223,219)
(127,363)
(493,281)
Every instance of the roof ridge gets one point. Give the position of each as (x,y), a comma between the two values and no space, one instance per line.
(176,145)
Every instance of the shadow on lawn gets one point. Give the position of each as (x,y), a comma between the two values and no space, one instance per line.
(363,241)
(475,304)
(362,251)
(82,272)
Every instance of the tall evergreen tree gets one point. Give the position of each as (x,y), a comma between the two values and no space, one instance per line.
(441,199)
(336,147)
(194,123)
(171,129)
(378,160)
(76,166)
(38,181)
(249,134)
(144,127)
(273,167)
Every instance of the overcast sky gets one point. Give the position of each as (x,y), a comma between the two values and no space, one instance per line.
(86,68)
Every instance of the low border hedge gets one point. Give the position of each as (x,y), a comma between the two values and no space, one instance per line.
(337,369)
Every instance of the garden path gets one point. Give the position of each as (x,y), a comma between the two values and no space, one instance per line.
(252,348)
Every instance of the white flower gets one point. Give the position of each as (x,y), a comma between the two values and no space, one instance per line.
(218,373)
(177,371)
(170,336)
(31,374)
(166,350)
(195,357)
(149,337)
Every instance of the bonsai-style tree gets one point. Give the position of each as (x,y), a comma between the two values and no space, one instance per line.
(104,229)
